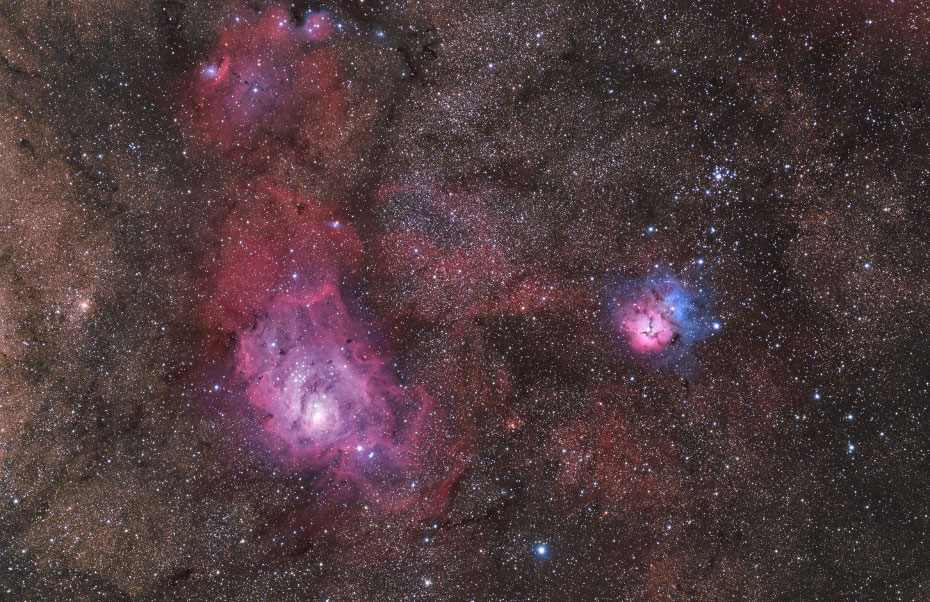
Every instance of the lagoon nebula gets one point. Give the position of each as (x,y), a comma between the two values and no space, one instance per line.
(426,300)
(320,388)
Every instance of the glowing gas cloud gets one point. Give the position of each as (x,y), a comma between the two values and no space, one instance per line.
(269,90)
(318,387)
(323,394)
(661,316)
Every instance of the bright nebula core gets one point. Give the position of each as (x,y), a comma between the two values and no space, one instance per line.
(650,322)
(659,315)
(322,395)
(322,388)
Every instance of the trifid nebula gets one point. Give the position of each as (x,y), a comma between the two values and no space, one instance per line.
(492,300)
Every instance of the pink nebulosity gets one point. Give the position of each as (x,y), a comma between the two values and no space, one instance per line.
(275,241)
(662,316)
(267,88)
(298,368)
(318,27)
(325,396)
(648,322)
(319,395)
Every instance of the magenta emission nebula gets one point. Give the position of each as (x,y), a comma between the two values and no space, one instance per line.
(476,300)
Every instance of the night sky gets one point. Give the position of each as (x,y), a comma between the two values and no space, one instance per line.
(465,300)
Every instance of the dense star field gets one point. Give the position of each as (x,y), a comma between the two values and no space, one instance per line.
(465,300)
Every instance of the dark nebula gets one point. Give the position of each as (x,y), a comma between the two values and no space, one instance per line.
(371,300)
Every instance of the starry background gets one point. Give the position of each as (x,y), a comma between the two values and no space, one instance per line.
(480,186)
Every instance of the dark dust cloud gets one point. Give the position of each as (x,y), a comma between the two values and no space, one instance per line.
(465,300)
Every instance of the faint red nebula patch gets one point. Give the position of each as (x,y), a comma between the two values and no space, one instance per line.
(878,21)
(446,255)
(273,242)
(268,91)
(445,258)
(623,463)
